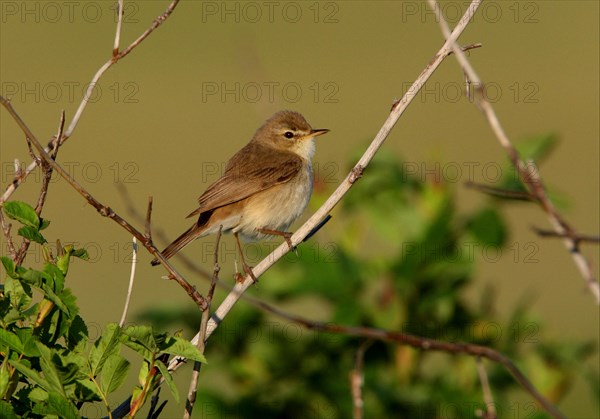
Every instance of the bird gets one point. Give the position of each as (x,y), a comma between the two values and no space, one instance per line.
(264,188)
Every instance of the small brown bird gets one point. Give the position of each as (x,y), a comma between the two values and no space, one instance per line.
(265,187)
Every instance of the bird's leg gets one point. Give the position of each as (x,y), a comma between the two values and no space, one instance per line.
(247,268)
(285,234)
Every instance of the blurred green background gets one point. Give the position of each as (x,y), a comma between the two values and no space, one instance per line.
(167,117)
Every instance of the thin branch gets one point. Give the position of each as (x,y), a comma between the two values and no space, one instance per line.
(147,227)
(114,59)
(18,170)
(162,236)
(193,390)
(47,176)
(529,177)
(490,411)
(500,192)
(468,47)
(20,176)
(88,93)
(119,25)
(131,280)
(357,379)
(155,24)
(561,227)
(104,210)
(579,238)
(418,342)
(6,231)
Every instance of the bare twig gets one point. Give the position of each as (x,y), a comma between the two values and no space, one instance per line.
(530,178)
(20,176)
(131,280)
(418,342)
(193,390)
(468,47)
(47,176)
(500,192)
(119,25)
(490,411)
(147,227)
(161,235)
(89,91)
(357,379)
(105,210)
(155,24)
(579,238)
(6,231)
(115,58)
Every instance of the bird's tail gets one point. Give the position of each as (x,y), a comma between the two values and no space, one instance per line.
(180,242)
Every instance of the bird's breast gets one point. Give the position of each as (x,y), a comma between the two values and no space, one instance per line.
(277,207)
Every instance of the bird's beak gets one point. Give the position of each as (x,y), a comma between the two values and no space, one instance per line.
(316,132)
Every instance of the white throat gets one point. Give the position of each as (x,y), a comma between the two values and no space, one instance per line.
(305,148)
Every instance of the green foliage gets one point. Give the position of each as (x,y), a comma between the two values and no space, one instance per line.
(403,261)
(47,367)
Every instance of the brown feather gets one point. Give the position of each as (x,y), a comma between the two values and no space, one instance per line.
(243,178)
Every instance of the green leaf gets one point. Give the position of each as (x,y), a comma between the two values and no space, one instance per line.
(25,334)
(70,302)
(18,292)
(11,341)
(168,379)
(58,372)
(51,296)
(144,373)
(51,373)
(32,277)
(488,227)
(114,372)
(62,262)
(37,394)
(32,233)
(30,374)
(141,340)
(104,348)
(6,410)
(87,391)
(77,335)
(4,379)
(23,213)
(44,223)
(9,266)
(183,348)
(55,277)
(58,405)
(537,148)
(81,254)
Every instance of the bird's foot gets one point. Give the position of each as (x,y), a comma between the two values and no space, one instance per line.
(239,277)
(285,234)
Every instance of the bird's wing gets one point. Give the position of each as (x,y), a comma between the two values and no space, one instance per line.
(264,170)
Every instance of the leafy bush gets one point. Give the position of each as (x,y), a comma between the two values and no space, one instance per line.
(47,365)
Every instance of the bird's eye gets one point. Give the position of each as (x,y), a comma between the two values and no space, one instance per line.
(288,134)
